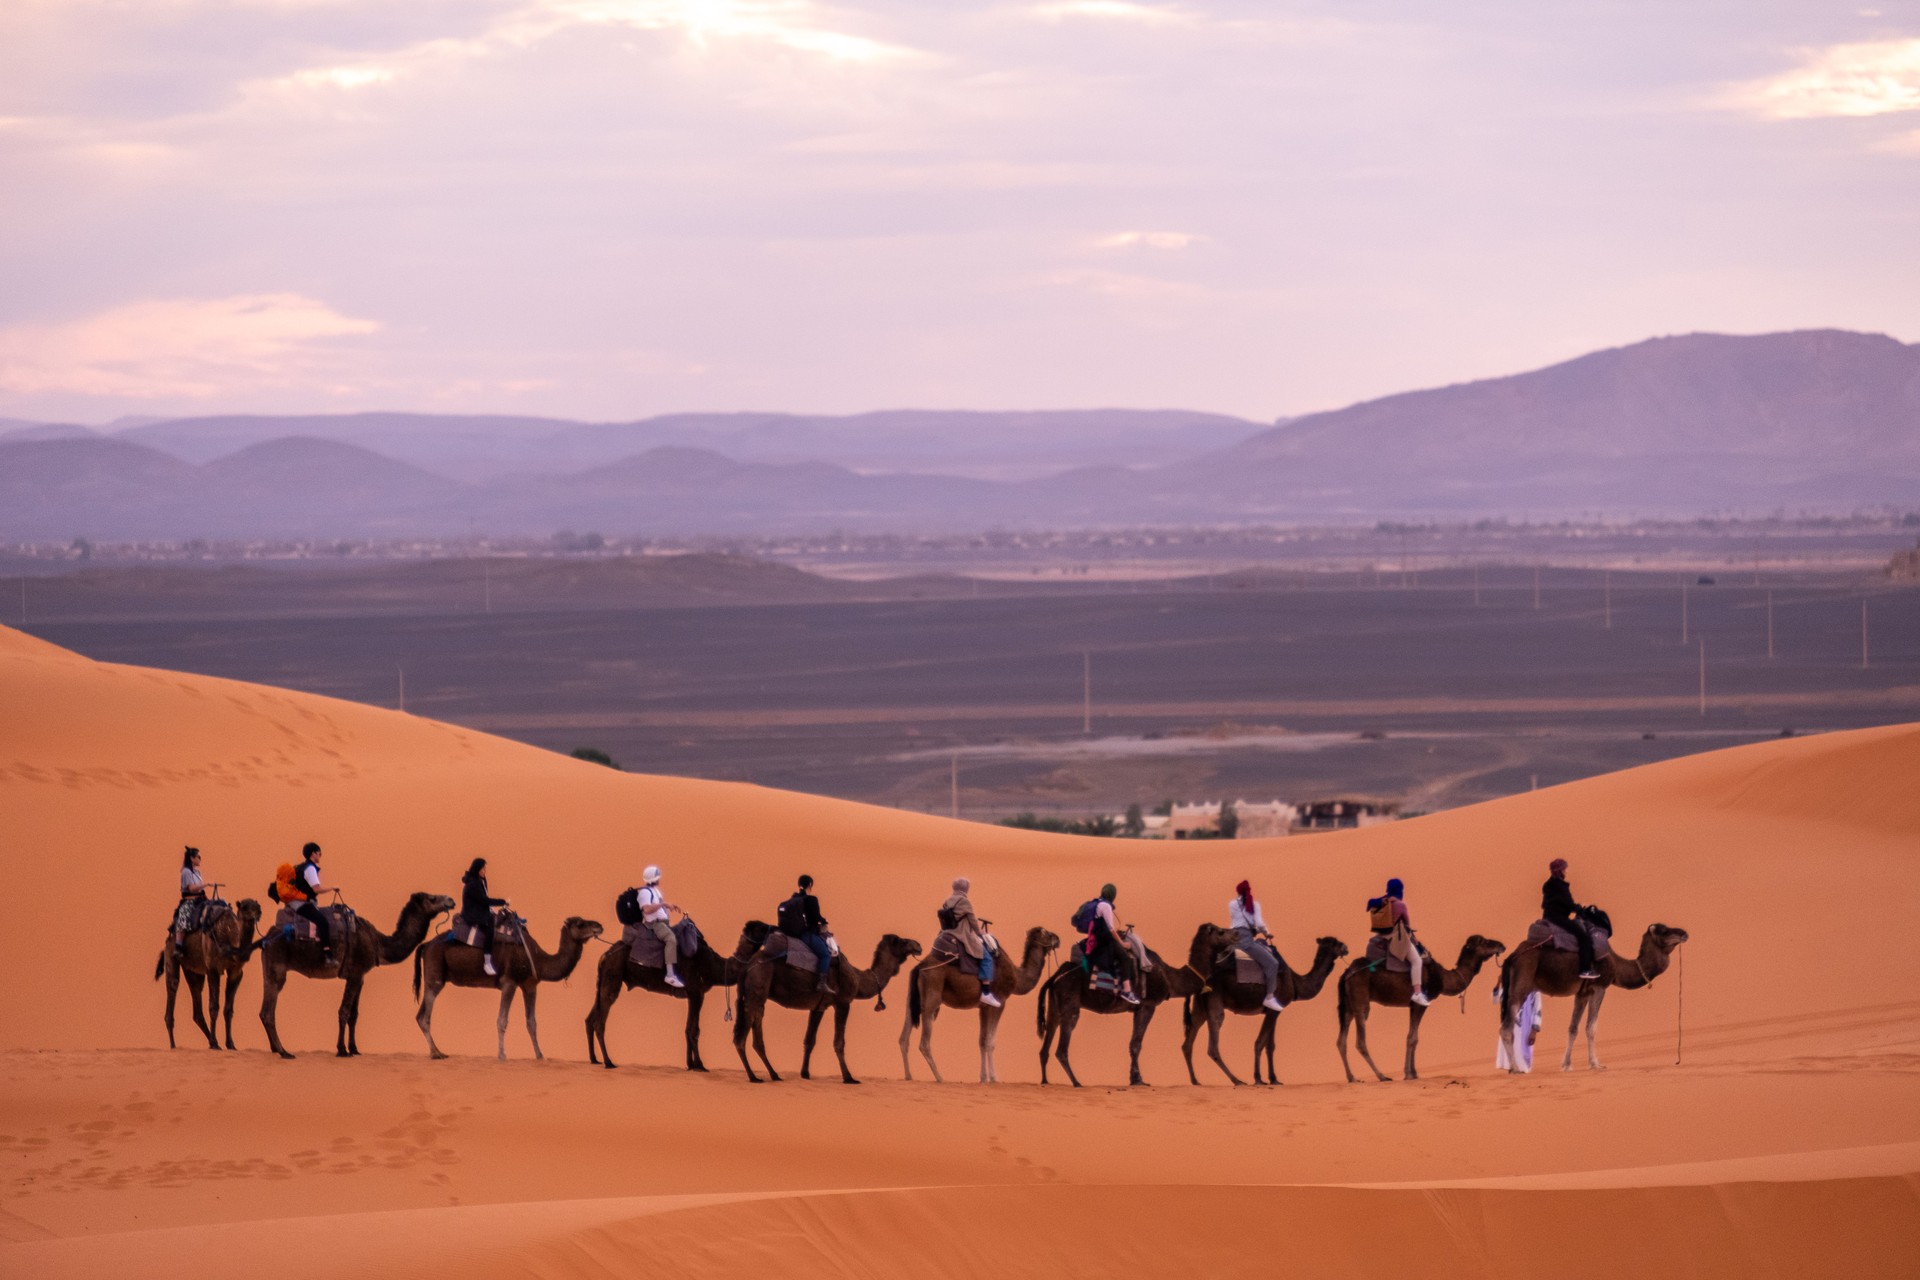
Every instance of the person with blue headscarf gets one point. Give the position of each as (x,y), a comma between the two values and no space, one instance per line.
(1392,921)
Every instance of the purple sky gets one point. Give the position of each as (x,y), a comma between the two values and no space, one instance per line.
(614,208)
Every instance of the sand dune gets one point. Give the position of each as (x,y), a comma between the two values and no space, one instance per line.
(1785,1143)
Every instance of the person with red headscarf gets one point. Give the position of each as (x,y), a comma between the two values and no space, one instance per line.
(1250,931)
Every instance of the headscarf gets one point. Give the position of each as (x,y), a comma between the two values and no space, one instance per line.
(961,884)
(1108,892)
(1557,867)
(1395,889)
(1244,891)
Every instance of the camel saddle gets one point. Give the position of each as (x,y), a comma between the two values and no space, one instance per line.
(1246,970)
(1380,957)
(196,913)
(779,946)
(508,930)
(300,929)
(1555,936)
(949,948)
(644,951)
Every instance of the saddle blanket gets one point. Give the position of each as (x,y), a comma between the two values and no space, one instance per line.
(798,954)
(507,930)
(194,914)
(1558,937)
(301,929)
(949,947)
(647,952)
(1380,957)
(1246,970)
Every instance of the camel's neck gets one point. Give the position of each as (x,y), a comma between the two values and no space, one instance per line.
(1032,964)
(1307,985)
(871,982)
(1629,975)
(1457,979)
(560,965)
(406,935)
(1184,981)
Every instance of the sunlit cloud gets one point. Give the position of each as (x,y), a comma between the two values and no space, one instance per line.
(1113,11)
(1148,239)
(184,347)
(793,24)
(343,77)
(1870,78)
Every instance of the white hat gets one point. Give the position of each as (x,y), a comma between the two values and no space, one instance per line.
(651,875)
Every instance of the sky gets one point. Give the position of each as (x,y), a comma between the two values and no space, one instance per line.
(608,209)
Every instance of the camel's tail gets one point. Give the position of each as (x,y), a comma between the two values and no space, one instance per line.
(1506,990)
(160,965)
(1186,1013)
(1040,1006)
(1345,1002)
(913,997)
(416,975)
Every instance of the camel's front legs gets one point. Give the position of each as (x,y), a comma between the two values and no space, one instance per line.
(814,1015)
(349,1011)
(989,1037)
(173,990)
(748,1021)
(528,995)
(840,1012)
(604,996)
(928,1009)
(1068,1018)
(506,1007)
(233,993)
(1141,1017)
(696,999)
(271,981)
(1217,1014)
(1573,1028)
(194,983)
(430,992)
(1414,1013)
(1189,1032)
(1593,1029)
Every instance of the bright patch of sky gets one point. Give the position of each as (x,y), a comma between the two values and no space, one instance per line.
(613,208)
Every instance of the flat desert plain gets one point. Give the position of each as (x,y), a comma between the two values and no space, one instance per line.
(1784,1142)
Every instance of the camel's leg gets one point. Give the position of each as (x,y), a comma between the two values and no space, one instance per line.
(213,1005)
(1573,1028)
(814,1015)
(194,984)
(1360,1011)
(238,972)
(696,1000)
(929,1009)
(506,1007)
(529,995)
(605,994)
(1346,1019)
(340,1049)
(742,1025)
(429,993)
(1052,1008)
(1217,1014)
(173,990)
(989,1040)
(840,1012)
(1068,1017)
(1263,1043)
(1142,1015)
(760,1041)
(1191,1032)
(272,979)
(1415,1012)
(1593,1029)
(906,1035)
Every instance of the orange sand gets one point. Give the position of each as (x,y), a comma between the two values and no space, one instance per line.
(1787,1144)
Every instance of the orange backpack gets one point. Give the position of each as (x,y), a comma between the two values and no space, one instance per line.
(287,886)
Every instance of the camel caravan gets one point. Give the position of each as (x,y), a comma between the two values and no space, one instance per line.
(796,963)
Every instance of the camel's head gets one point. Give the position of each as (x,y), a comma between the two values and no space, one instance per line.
(901,949)
(578,930)
(1331,947)
(1043,939)
(1484,949)
(755,933)
(1212,945)
(1666,936)
(431,904)
(249,913)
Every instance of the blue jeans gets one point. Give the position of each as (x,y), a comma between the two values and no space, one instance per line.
(818,945)
(986,966)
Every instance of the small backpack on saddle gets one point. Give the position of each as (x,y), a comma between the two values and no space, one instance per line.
(1083,918)
(626,907)
(792,916)
(1380,914)
(286,886)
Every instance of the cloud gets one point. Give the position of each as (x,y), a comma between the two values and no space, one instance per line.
(1148,239)
(1113,11)
(181,347)
(1870,78)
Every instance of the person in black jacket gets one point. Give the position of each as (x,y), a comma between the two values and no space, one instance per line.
(476,910)
(1557,905)
(800,919)
(307,888)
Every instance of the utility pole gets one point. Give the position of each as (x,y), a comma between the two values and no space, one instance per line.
(1703,677)
(1769,623)
(1086,691)
(1606,587)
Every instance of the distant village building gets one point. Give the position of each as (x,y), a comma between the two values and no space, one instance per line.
(1330,815)
(1905,564)
(1189,820)
(1257,821)
(1155,826)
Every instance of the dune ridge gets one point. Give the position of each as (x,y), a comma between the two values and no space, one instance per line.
(1785,1143)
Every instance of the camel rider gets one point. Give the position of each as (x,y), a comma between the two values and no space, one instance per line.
(973,935)
(800,919)
(656,913)
(476,912)
(307,888)
(1391,921)
(193,896)
(1250,931)
(1558,906)
(1103,943)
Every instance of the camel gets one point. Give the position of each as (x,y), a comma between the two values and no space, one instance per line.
(1067,995)
(526,966)
(1224,995)
(1363,985)
(768,978)
(702,973)
(936,982)
(206,956)
(354,956)
(1557,973)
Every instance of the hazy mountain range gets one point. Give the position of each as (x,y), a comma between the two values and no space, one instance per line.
(1822,420)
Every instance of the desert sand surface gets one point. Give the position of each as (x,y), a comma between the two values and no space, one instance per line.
(1785,1142)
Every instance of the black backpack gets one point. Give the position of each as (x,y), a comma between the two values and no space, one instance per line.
(626,907)
(792,915)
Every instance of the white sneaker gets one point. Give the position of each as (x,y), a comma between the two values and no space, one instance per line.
(989,999)
(673,979)
(1273,1004)
(1422,998)
(486,962)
